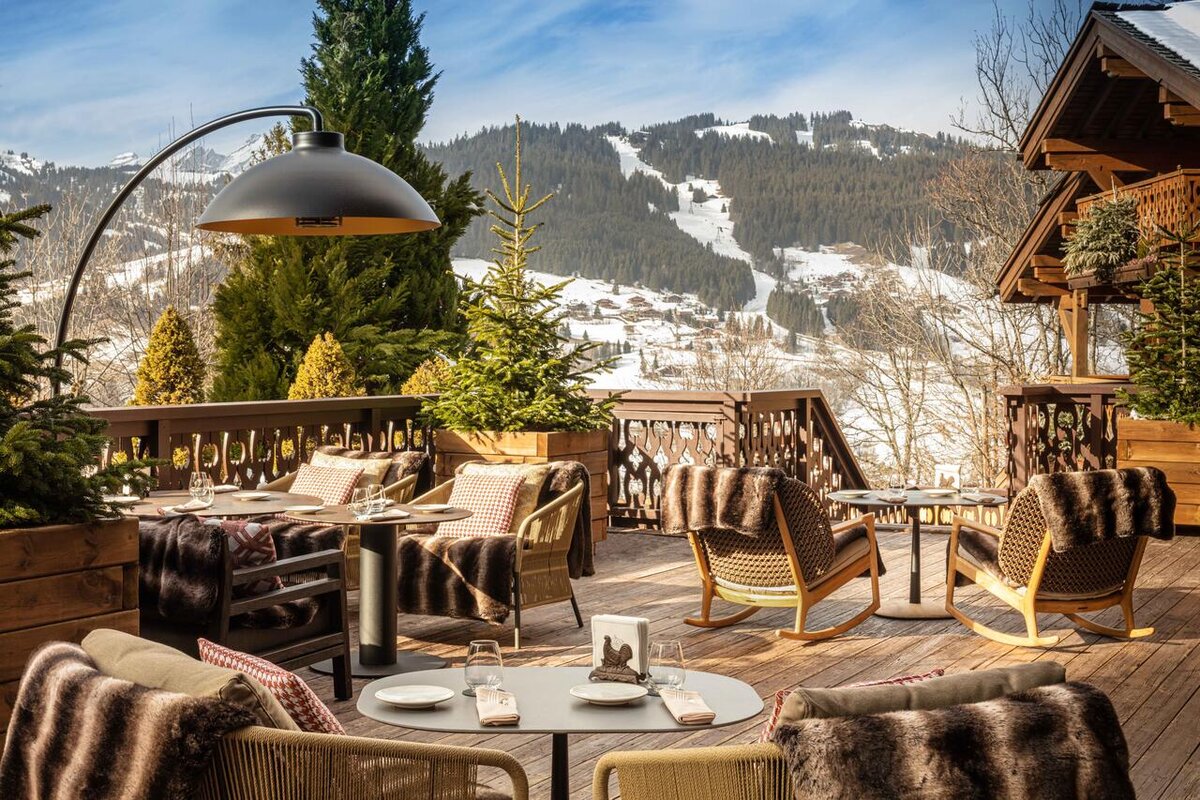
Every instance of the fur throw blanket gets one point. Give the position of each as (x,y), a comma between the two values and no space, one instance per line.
(180,568)
(469,577)
(1083,508)
(77,733)
(1058,742)
(702,499)
(563,477)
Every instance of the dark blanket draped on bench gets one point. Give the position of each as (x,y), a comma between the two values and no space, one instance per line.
(84,734)
(1058,742)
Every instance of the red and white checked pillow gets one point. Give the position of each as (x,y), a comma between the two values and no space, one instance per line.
(492,499)
(250,545)
(332,484)
(301,703)
(780,696)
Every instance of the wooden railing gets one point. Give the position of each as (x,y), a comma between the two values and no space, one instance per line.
(247,443)
(793,430)
(1171,200)
(1060,428)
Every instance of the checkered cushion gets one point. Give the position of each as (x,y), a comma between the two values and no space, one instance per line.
(332,484)
(301,703)
(768,727)
(491,499)
(250,545)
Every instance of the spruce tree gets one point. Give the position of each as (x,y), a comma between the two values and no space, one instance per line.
(171,372)
(49,446)
(428,378)
(517,373)
(325,372)
(390,300)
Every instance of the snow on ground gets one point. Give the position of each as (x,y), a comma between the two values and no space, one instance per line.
(804,137)
(4,196)
(739,130)
(132,272)
(23,164)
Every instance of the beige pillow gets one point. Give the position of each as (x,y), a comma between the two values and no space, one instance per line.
(527,497)
(156,666)
(373,469)
(948,690)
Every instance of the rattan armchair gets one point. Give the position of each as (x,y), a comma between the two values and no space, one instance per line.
(1018,566)
(729,772)
(267,764)
(540,573)
(803,560)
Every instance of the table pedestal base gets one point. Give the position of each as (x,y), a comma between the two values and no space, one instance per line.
(406,661)
(560,768)
(903,609)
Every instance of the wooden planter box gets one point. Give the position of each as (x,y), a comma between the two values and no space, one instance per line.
(1172,447)
(590,448)
(59,582)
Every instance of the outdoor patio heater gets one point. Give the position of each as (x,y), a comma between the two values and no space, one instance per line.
(315,189)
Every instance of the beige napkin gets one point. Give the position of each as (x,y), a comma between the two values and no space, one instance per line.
(184,508)
(496,706)
(688,708)
(224,487)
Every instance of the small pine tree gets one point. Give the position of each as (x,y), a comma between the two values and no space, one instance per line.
(1104,238)
(428,378)
(516,373)
(171,372)
(49,446)
(325,372)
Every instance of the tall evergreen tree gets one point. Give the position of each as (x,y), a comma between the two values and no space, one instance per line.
(171,372)
(390,300)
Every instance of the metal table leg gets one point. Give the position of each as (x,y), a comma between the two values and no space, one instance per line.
(914,607)
(560,768)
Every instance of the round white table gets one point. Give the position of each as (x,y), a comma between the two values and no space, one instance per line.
(547,707)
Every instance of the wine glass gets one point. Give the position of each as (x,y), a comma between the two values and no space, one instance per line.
(666,665)
(376,499)
(896,490)
(485,666)
(970,487)
(200,487)
(359,504)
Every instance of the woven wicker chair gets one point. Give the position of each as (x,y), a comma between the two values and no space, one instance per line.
(540,574)
(1018,566)
(801,562)
(267,764)
(730,772)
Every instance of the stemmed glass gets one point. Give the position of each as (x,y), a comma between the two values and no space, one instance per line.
(360,505)
(896,489)
(667,670)
(485,666)
(200,487)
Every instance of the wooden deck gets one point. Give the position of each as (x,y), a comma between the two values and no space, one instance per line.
(1154,682)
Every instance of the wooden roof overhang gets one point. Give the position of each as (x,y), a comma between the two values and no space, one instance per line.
(1121,108)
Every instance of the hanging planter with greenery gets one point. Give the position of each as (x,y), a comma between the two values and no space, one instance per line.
(1104,238)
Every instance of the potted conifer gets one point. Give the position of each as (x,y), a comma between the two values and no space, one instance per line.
(518,391)
(1163,352)
(1105,238)
(68,559)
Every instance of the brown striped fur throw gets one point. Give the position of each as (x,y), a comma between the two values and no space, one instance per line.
(77,734)
(1083,508)
(703,499)
(1060,742)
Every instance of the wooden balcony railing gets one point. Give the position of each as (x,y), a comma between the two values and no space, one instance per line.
(1171,200)
(1060,428)
(246,443)
(790,429)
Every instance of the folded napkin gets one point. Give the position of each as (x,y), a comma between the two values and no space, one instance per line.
(688,708)
(184,508)
(394,513)
(496,707)
(225,487)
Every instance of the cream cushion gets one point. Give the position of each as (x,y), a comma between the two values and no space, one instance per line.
(156,666)
(530,491)
(373,469)
(948,690)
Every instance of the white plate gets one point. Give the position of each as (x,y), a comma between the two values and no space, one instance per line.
(414,696)
(250,495)
(852,493)
(432,508)
(305,509)
(940,492)
(122,499)
(608,694)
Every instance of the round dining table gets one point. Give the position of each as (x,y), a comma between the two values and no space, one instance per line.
(915,500)
(378,593)
(224,504)
(546,706)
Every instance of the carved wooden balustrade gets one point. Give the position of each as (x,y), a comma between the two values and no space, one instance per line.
(250,442)
(793,430)
(1060,428)
(1171,200)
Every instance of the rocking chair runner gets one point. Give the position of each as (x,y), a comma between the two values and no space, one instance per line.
(1019,566)
(800,561)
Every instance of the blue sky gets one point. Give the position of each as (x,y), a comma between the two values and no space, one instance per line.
(82,81)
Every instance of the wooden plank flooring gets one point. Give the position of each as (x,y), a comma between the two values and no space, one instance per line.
(1154,682)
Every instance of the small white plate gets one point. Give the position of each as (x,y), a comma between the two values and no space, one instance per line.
(608,694)
(245,496)
(414,696)
(432,508)
(940,492)
(122,499)
(305,509)
(852,493)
